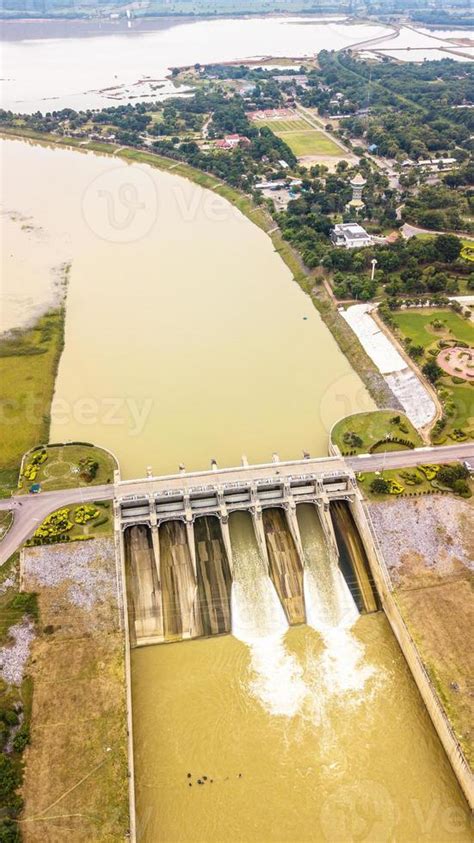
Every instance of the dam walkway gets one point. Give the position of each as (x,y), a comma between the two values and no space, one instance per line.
(30,510)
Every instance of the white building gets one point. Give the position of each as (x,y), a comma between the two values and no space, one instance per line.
(351,235)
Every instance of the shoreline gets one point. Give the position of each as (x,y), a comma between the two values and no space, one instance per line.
(353,351)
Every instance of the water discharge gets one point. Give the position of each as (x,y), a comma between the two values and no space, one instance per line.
(258,620)
(331,610)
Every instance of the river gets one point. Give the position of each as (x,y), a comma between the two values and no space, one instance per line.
(131,64)
(186,339)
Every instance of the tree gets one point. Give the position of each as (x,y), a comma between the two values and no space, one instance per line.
(432,371)
(461,487)
(380,486)
(416,351)
(448,247)
(449,475)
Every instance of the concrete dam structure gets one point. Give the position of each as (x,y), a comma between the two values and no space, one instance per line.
(179,545)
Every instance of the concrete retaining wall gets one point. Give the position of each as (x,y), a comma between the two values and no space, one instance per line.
(408,647)
(123,609)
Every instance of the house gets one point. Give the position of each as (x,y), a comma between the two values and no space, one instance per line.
(351,235)
(437,163)
(231,141)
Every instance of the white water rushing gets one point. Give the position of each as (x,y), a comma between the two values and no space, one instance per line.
(259,621)
(331,611)
(284,684)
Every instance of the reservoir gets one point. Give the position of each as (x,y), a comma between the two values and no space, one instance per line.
(187,339)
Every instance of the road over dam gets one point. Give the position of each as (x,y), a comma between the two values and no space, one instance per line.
(31,510)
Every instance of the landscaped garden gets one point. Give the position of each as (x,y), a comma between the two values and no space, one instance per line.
(76,523)
(373,432)
(434,339)
(65,466)
(426,479)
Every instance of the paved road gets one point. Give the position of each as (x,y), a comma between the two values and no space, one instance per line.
(409,231)
(406,459)
(31,510)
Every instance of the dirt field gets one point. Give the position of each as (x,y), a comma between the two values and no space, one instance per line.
(428,545)
(76,786)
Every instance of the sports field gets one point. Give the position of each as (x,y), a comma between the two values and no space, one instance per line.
(301,137)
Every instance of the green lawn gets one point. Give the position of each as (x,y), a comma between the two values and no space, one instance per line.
(371,428)
(62,469)
(416,325)
(311,142)
(301,137)
(279,127)
(463,400)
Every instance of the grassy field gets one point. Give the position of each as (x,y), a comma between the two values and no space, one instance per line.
(371,428)
(440,619)
(62,468)
(302,138)
(462,398)
(28,365)
(416,325)
(6,520)
(76,785)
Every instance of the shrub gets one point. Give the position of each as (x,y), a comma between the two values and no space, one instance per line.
(9,777)
(99,521)
(22,738)
(85,513)
(432,371)
(461,488)
(380,486)
(9,831)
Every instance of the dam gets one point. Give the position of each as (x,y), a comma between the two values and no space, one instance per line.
(179,538)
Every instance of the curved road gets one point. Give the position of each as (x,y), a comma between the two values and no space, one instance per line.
(31,510)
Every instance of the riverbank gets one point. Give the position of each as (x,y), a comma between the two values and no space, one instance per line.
(29,361)
(308,281)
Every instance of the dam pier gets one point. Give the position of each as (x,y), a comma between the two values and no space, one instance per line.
(175,537)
